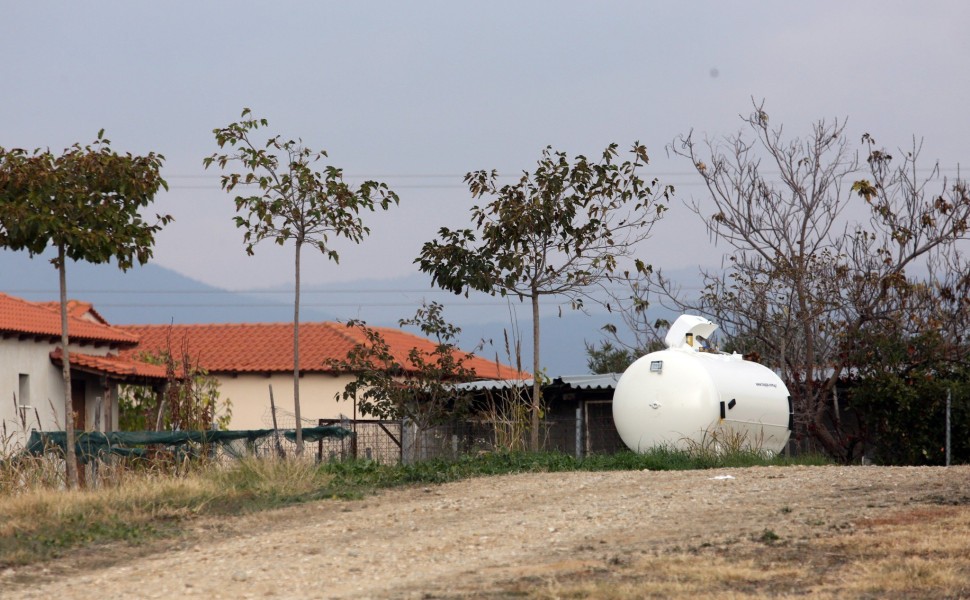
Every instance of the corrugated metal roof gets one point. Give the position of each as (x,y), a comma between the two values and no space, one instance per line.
(606,381)
(580,382)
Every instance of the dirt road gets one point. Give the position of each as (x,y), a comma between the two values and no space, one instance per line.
(482,536)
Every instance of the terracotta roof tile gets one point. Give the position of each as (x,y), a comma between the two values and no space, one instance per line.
(18,316)
(77,308)
(401,343)
(115,366)
(268,347)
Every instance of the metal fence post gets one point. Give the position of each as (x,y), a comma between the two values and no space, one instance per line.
(579,430)
(949,394)
(405,442)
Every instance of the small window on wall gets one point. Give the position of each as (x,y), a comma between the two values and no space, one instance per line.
(23,399)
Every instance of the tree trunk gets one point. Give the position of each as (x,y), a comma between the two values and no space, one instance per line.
(833,445)
(536,383)
(296,354)
(70,455)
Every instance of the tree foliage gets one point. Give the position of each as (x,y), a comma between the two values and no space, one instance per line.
(903,369)
(806,279)
(416,386)
(900,393)
(280,196)
(608,358)
(561,230)
(86,202)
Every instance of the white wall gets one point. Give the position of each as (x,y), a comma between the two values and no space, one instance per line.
(45,384)
(46,388)
(249,395)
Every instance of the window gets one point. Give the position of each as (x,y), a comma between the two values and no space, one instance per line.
(23,400)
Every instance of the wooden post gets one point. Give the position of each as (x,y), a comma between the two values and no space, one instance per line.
(949,395)
(97,428)
(276,433)
(160,417)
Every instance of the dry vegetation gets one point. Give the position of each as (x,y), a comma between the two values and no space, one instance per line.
(923,553)
(829,532)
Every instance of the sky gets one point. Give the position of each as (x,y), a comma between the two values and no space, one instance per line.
(417,94)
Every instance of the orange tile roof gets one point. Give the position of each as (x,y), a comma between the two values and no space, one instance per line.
(115,366)
(76,308)
(401,343)
(37,319)
(268,347)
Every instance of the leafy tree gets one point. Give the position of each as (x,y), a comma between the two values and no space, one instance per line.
(899,394)
(560,231)
(416,386)
(86,203)
(901,370)
(608,358)
(804,279)
(288,200)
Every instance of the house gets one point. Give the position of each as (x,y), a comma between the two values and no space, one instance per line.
(250,359)
(31,381)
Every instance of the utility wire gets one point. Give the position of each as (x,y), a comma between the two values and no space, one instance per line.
(261,292)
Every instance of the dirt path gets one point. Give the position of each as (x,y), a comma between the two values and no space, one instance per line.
(476,537)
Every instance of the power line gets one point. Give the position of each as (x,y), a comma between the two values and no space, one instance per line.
(101,305)
(510,175)
(241,293)
(664,179)
(263,292)
(397,187)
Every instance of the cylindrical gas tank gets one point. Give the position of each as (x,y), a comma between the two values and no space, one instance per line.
(682,398)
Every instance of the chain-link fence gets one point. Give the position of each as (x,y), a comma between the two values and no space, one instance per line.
(590,431)
(371,439)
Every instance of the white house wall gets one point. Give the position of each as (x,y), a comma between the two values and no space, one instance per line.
(46,387)
(249,395)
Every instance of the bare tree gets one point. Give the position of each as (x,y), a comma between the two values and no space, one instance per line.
(803,278)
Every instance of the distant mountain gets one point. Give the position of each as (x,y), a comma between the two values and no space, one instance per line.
(154,294)
(144,294)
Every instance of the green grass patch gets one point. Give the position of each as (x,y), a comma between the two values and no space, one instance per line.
(351,479)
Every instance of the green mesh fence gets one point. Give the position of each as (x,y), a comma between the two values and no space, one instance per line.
(94,444)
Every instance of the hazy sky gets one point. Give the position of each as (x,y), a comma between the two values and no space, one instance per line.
(419,93)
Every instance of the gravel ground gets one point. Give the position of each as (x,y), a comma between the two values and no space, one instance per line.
(472,537)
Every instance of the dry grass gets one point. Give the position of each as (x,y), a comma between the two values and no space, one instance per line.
(922,553)
(39,523)
(919,553)
(19,471)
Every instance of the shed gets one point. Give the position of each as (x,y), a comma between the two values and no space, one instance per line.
(579,410)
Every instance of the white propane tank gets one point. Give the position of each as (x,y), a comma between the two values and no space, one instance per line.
(692,395)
